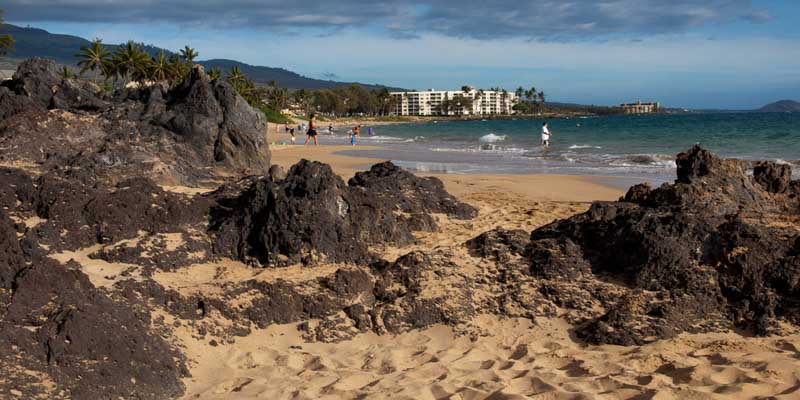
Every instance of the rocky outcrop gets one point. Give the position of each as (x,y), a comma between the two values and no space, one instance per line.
(58,324)
(176,136)
(38,84)
(311,216)
(55,324)
(706,250)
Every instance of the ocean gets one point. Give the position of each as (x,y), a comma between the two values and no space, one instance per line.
(630,146)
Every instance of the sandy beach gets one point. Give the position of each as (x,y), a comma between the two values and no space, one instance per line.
(491,358)
(539,187)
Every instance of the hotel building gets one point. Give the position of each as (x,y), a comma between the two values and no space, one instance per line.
(447,102)
(640,108)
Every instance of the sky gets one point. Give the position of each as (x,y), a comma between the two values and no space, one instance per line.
(734,54)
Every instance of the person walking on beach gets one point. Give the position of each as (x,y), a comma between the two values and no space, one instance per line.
(545,135)
(294,138)
(354,134)
(312,130)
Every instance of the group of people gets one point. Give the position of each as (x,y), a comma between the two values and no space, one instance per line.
(311,132)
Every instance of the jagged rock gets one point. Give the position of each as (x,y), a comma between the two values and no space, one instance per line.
(638,193)
(276,173)
(37,79)
(705,243)
(11,261)
(775,178)
(181,136)
(11,104)
(213,119)
(78,95)
(90,346)
(311,216)
(17,190)
(409,193)
(37,84)
(557,258)
(76,215)
(499,244)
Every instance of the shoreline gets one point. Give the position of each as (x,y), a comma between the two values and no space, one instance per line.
(536,187)
(416,119)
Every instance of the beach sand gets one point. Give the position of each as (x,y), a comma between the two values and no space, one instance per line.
(500,358)
(545,187)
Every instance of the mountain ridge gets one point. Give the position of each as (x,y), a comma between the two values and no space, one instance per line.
(781,106)
(37,42)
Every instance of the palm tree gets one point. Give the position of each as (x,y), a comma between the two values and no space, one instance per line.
(542,99)
(178,69)
(215,73)
(94,58)
(278,98)
(6,41)
(131,60)
(188,54)
(67,73)
(235,75)
(160,68)
(520,92)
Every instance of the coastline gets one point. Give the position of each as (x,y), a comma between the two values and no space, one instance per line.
(534,187)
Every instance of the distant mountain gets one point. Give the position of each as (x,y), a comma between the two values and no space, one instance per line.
(282,77)
(34,42)
(781,106)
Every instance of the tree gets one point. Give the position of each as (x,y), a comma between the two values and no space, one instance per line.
(235,76)
(94,57)
(160,69)
(131,61)
(6,41)
(178,69)
(520,92)
(278,98)
(522,107)
(542,99)
(189,54)
(67,73)
(215,73)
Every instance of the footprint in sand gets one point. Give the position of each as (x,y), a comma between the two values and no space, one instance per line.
(233,386)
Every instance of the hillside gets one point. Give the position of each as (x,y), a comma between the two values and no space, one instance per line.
(781,106)
(283,77)
(31,42)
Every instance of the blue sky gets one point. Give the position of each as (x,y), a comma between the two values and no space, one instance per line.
(684,53)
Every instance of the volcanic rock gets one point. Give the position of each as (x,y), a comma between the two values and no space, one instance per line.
(775,178)
(181,136)
(706,246)
(59,325)
(311,216)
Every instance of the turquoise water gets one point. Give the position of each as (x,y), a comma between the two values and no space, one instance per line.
(643,145)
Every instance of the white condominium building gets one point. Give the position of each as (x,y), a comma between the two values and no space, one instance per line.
(467,101)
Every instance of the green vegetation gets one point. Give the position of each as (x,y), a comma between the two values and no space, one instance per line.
(67,73)
(531,100)
(94,58)
(274,116)
(352,99)
(6,41)
(188,54)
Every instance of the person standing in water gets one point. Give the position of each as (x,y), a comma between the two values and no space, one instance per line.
(354,134)
(545,135)
(312,130)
